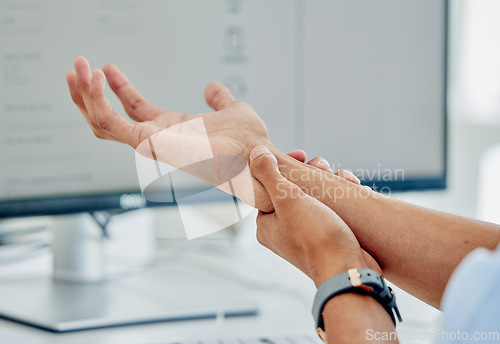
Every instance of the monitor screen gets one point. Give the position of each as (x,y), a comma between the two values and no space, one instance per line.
(362,83)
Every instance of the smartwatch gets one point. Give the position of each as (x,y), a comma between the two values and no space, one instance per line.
(362,281)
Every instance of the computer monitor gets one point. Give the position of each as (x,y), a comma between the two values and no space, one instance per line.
(362,83)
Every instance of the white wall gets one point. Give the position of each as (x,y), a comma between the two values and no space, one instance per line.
(474,108)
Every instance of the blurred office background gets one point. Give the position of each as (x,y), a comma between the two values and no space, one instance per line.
(473,190)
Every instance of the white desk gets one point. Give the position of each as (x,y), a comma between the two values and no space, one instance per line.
(283,294)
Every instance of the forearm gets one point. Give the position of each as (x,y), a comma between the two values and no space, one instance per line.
(418,248)
(328,253)
(355,318)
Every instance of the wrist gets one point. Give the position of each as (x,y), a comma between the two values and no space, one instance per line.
(322,269)
(339,312)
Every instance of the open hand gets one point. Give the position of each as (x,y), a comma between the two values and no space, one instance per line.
(232,129)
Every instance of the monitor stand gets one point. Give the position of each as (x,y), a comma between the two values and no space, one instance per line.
(80,296)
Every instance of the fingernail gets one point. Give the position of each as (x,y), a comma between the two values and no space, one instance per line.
(355,178)
(323,162)
(258,151)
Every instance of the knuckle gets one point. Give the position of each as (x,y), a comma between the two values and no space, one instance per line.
(104,121)
(140,132)
(83,82)
(101,123)
(136,103)
(94,92)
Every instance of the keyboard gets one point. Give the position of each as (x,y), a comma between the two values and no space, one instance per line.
(304,339)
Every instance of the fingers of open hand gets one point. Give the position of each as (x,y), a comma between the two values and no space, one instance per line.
(218,96)
(323,164)
(103,117)
(133,102)
(320,163)
(74,91)
(78,100)
(348,175)
(83,79)
(298,154)
(106,123)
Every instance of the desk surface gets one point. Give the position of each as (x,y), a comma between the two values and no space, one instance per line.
(283,295)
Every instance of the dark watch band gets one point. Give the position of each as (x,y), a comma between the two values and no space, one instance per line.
(362,281)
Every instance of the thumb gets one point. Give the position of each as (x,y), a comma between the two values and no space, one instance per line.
(264,168)
(218,96)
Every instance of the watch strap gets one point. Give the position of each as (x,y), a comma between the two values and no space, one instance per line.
(363,281)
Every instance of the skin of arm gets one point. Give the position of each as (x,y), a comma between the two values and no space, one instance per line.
(417,248)
(312,237)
